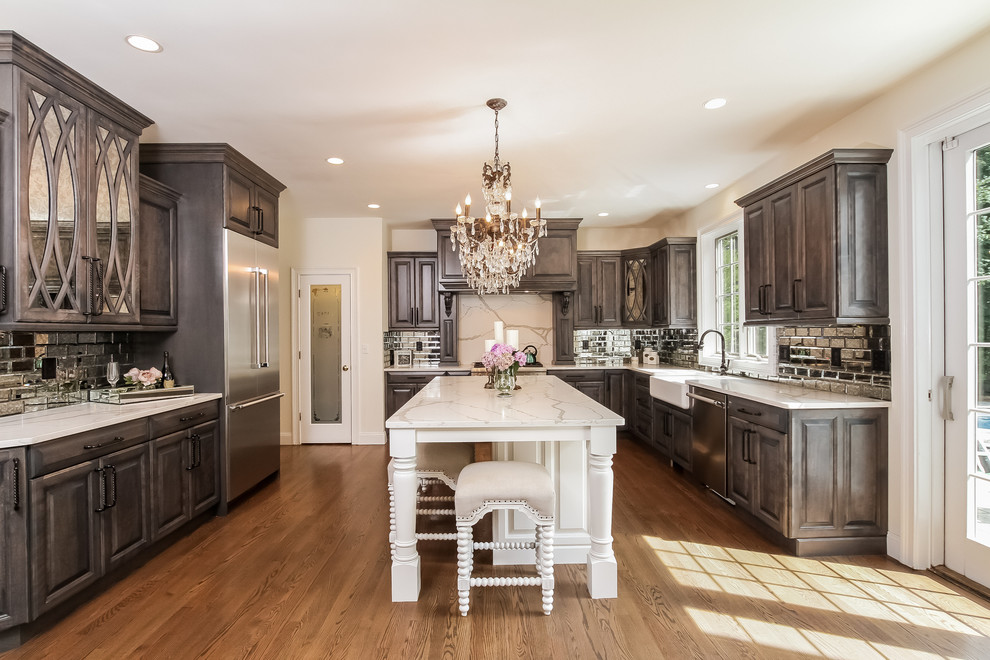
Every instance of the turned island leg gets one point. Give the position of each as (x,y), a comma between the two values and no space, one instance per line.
(602,567)
(405,558)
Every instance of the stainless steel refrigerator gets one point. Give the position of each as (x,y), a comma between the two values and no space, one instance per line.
(251,362)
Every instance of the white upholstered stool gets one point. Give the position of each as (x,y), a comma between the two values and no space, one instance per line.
(435,463)
(491,485)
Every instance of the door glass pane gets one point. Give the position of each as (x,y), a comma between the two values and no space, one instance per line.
(325,352)
(983,245)
(981,519)
(979,328)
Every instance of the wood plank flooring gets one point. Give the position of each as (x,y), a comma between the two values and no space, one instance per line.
(301,570)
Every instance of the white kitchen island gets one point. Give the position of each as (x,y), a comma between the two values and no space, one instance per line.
(546,421)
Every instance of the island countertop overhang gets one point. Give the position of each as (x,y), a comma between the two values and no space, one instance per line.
(542,401)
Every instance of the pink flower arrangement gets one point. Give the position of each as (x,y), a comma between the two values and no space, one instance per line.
(503,357)
(144,377)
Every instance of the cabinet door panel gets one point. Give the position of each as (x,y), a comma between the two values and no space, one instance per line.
(610,292)
(204,478)
(594,389)
(662,280)
(814,289)
(815,474)
(585,300)
(52,237)
(770,467)
(267,214)
(865,473)
(13,545)
(739,480)
(127,524)
(661,438)
(683,286)
(159,244)
(427,304)
(781,221)
(396,396)
(755,239)
(240,215)
(169,459)
(401,295)
(64,533)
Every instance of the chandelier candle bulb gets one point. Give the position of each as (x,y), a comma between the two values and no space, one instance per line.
(467,205)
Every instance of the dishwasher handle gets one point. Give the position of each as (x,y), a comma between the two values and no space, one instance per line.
(705,399)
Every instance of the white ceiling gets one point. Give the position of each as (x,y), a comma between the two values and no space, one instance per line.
(605,98)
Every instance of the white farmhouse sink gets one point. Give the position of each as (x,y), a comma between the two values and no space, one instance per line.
(669,385)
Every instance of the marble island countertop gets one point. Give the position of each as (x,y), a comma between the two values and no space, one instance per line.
(542,401)
(32,428)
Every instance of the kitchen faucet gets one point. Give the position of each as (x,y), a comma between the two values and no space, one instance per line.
(724,367)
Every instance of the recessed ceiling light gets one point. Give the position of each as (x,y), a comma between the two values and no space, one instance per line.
(333,160)
(374,206)
(712,185)
(603,214)
(712,104)
(144,43)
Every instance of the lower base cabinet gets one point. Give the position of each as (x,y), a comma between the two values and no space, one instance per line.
(756,466)
(402,386)
(75,508)
(672,433)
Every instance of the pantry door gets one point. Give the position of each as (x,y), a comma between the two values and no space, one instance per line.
(965,390)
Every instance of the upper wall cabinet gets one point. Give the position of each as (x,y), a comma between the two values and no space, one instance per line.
(412,291)
(555,268)
(637,270)
(674,278)
(599,294)
(249,195)
(816,242)
(69,214)
(159,246)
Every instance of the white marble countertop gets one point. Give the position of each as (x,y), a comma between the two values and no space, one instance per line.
(542,401)
(781,395)
(32,428)
(645,369)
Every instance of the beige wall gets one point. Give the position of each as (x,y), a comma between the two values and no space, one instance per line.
(340,243)
(937,87)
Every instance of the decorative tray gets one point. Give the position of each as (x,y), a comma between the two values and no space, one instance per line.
(122,395)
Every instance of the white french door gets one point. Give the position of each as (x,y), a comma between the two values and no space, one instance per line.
(325,358)
(965,389)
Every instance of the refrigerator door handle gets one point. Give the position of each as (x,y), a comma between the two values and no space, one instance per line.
(257,318)
(265,363)
(254,402)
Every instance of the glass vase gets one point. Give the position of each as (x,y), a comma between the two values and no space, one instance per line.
(505,382)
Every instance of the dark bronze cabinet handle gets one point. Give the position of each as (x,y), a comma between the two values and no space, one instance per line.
(103,489)
(257,212)
(17,483)
(197,450)
(116,439)
(3,290)
(113,486)
(187,419)
(261,220)
(192,455)
(750,412)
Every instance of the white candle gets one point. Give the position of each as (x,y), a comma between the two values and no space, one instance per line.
(512,338)
(499,332)
(488,345)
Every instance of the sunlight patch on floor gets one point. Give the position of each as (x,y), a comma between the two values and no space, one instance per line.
(831,586)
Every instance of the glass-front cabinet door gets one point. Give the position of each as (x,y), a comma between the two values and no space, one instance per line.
(113,219)
(52,237)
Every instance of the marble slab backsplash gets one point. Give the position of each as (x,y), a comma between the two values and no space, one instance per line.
(81,357)
(531,314)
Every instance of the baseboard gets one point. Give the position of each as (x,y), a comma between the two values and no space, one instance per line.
(285,438)
(894,547)
(377,438)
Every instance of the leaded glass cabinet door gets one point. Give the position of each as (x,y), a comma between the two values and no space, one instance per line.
(114,209)
(51,284)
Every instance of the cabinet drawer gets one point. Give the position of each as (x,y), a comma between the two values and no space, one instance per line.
(183,418)
(759,413)
(54,455)
(421,378)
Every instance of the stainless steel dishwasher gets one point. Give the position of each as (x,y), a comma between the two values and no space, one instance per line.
(708,438)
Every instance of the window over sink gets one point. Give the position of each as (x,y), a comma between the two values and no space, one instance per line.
(721,298)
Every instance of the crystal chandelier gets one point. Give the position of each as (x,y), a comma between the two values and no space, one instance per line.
(496,250)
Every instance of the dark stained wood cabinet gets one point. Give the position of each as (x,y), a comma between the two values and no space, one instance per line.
(563,328)
(816,242)
(13,547)
(413,300)
(672,433)
(598,300)
(158,247)
(87,503)
(252,207)
(400,386)
(818,478)
(71,149)
(674,269)
(606,386)
(555,268)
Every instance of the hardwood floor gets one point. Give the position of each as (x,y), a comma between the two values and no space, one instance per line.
(300,570)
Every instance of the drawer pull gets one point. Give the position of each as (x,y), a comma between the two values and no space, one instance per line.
(749,412)
(192,417)
(116,439)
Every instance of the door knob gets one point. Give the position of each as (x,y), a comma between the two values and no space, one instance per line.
(345,367)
